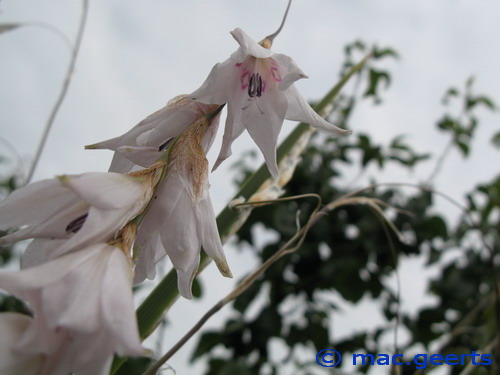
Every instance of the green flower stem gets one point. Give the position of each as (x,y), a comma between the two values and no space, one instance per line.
(164,295)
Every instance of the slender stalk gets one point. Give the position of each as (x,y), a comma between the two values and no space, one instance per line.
(62,94)
(275,34)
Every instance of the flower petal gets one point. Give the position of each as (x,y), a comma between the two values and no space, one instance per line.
(34,203)
(221,84)
(300,110)
(248,47)
(76,299)
(13,327)
(263,120)
(99,226)
(209,235)
(187,273)
(150,251)
(106,190)
(289,71)
(139,155)
(232,130)
(55,227)
(179,238)
(155,130)
(39,251)
(116,297)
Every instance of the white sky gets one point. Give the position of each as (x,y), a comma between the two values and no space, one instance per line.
(136,55)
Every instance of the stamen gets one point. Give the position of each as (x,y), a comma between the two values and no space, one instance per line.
(275,34)
(75,225)
(255,85)
(163,146)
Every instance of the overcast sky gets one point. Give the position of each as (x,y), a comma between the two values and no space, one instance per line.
(136,55)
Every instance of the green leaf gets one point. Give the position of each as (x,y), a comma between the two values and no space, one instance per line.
(496,140)
(464,147)
(208,341)
(376,78)
(379,53)
(452,92)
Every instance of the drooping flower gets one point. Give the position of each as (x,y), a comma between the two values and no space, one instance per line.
(257,85)
(71,212)
(82,314)
(182,219)
(144,143)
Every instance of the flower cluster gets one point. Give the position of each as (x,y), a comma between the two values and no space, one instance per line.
(96,234)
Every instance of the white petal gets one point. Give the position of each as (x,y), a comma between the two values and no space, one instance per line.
(209,235)
(300,110)
(39,251)
(22,283)
(263,119)
(186,275)
(155,130)
(221,84)
(13,327)
(34,203)
(133,136)
(85,299)
(210,134)
(150,251)
(248,47)
(117,297)
(289,70)
(55,227)
(100,226)
(143,156)
(106,190)
(120,164)
(179,237)
(232,130)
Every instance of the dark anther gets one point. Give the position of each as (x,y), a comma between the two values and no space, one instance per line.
(164,145)
(255,85)
(75,225)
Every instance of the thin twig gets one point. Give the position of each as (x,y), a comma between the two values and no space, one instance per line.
(440,161)
(63,92)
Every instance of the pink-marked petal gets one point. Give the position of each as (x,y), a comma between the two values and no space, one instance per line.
(300,110)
